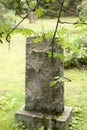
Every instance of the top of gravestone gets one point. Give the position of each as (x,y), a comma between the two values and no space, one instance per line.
(42,46)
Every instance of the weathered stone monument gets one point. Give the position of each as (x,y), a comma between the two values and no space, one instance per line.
(44,105)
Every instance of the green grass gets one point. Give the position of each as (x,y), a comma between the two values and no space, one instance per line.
(12,67)
(12,83)
(43,25)
(75,96)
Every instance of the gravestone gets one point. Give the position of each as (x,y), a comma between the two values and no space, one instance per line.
(44,104)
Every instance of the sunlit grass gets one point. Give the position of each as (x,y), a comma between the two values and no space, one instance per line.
(44,25)
(12,68)
(76,96)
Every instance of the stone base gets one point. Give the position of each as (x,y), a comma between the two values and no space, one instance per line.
(35,120)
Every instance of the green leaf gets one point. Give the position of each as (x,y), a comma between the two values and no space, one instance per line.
(10,1)
(32,3)
(53,0)
(26,32)
(39,12)
(38,40)
(47,1)
(42,128)
(57,77)
(62,31)
(53,83)
(58,55)
(49,35)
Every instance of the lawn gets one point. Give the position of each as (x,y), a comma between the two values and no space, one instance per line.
(12,67)
(12,83)
(43,25)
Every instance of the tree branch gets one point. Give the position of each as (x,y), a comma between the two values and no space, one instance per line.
(37,5)
(61,2)
(28,5)
(57,25)
(8,35)
(61,22)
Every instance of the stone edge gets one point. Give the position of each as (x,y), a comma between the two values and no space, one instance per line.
(63,118)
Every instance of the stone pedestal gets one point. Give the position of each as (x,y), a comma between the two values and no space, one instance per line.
(35,120)
(44,105)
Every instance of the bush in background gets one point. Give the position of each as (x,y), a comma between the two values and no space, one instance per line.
(76,54)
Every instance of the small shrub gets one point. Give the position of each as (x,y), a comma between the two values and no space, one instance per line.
(76,54)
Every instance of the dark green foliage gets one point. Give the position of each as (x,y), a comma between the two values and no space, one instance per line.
(19,126)
(76,54)
(70,8)
(51,8)
(82,9)
(77,120)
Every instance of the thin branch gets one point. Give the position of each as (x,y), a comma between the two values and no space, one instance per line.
(28,5)
(69,80)
(37,5)
(57,25)
(61,22)
(8,35)
(2,33)
(21,15)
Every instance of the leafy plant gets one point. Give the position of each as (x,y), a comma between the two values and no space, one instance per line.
(19,126)
(83,10)
(76,54)
(77,119)
(7,103)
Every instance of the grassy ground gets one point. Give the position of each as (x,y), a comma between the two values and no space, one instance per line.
(75,96)
(12,67)
(12,83)
(43,25)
